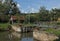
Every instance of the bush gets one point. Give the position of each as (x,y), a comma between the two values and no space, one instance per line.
(4,18)
(58,23)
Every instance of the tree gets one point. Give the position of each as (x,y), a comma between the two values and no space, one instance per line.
(55,14)
(3,8)
(44,14)
(14,8)
(9,7)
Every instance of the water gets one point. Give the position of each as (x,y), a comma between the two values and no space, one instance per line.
(13,36)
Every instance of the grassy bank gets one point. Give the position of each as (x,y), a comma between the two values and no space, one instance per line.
(54,31)
(4,25)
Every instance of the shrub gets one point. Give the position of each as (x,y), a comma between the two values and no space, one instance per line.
(4,18)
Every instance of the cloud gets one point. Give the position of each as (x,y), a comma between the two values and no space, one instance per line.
(18,5)
(29,10)
(33,10)
(23,11)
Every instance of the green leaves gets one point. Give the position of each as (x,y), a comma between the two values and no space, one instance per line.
(44,14)
(3,8)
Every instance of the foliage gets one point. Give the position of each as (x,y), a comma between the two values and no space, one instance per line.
(4,18)
(54,14)
(3,8)
(32,19)
(14,9)
(9,8)
(58,23)
(48,15)
(44,14)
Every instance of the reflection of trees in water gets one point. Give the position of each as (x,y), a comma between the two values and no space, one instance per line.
(3,36)
(26,35)
(13,36)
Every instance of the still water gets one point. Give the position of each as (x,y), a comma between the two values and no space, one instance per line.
(13,36)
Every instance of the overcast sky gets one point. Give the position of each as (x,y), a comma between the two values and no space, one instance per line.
(34,5)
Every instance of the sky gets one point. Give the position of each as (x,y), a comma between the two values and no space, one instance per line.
(33,6)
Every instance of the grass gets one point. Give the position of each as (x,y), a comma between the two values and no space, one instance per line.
(4,25)
(24,24)
(54,31)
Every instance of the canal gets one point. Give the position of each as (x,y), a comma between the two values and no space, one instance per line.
(14,36)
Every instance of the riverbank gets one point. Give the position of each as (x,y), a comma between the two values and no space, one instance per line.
(54,31)
(4,26)
(44,36)
(48,34)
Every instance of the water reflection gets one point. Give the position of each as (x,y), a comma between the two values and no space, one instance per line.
(27,37)
(14,36)
(4,36)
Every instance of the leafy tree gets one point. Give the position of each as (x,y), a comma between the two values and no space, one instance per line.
(55,14)
(44,14)
(14,8)
(3,8)
(9,7)
(32,19)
